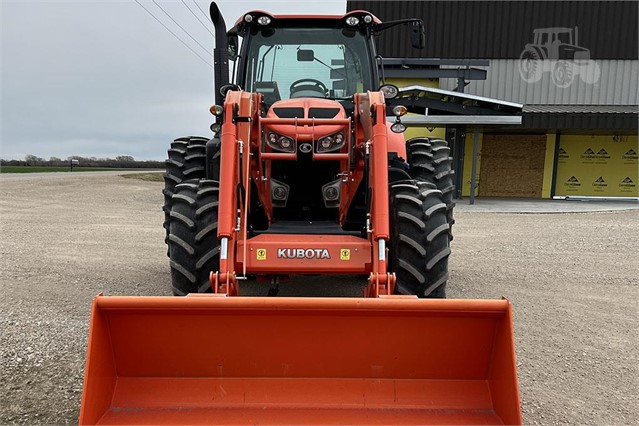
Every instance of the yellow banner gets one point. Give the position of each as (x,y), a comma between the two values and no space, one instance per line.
(597,166)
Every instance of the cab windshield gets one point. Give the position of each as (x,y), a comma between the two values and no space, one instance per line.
(285,63)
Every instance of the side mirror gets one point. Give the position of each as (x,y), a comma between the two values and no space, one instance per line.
(417,36)
(305,56)
(233,47)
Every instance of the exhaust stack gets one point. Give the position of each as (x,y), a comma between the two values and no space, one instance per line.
(220,53)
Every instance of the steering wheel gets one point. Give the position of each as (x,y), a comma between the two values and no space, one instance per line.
(301,87)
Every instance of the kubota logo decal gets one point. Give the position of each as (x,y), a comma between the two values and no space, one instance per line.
(300,253)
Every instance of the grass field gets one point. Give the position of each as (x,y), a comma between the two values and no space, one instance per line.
(44,169)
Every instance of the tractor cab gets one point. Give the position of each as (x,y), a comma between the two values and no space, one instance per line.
(286,58)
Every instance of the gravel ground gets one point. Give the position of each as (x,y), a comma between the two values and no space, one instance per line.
(572,278)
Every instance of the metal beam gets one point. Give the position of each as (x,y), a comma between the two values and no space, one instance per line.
(465,73)
(473,177)
(420,121)
(443,106)
(416,89)
(436,62)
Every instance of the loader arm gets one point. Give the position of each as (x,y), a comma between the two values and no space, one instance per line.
(243,161)
(240,113)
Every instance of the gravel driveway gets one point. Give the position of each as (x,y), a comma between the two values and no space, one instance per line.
(572,278)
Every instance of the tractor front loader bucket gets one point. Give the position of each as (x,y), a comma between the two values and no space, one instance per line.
(240,360)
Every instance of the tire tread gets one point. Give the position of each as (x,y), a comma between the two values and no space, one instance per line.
(419,246)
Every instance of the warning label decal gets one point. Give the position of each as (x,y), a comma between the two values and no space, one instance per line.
(261,254)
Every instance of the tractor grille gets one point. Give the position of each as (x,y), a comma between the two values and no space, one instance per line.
(289,112)
(322,112)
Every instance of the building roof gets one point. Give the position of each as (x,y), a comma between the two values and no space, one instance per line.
(581,109)
(613,117)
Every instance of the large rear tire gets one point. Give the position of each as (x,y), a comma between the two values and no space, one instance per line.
(419,245)
(430,161)
(194,249)
(186,160)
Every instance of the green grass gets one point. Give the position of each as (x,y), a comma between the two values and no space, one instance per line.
(43,169)
(149,177)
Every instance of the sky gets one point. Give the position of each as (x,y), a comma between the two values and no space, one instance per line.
(104,78)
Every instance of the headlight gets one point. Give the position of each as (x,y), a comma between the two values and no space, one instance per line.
(263,20)
(285,143)
(280,143)
(352,21)
(398,127)
(390,91)
(331,142)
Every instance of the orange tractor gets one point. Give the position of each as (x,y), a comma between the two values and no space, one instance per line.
(305,175)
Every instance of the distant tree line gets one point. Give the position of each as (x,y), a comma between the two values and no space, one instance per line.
(119,162)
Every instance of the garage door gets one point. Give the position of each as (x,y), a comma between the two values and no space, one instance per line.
(512,165)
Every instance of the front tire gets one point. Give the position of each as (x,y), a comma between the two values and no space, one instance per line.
(419,246)
(194,249)
(186,160)
(430,161)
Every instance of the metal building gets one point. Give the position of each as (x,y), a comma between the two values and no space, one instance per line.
(573,64)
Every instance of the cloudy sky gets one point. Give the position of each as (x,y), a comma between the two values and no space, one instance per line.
(103,78)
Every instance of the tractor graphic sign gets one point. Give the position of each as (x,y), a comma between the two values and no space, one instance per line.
(556,51)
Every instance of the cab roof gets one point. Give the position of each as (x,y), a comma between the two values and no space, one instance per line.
(255,14)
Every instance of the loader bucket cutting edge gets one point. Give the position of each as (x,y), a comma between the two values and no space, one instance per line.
(215,360)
